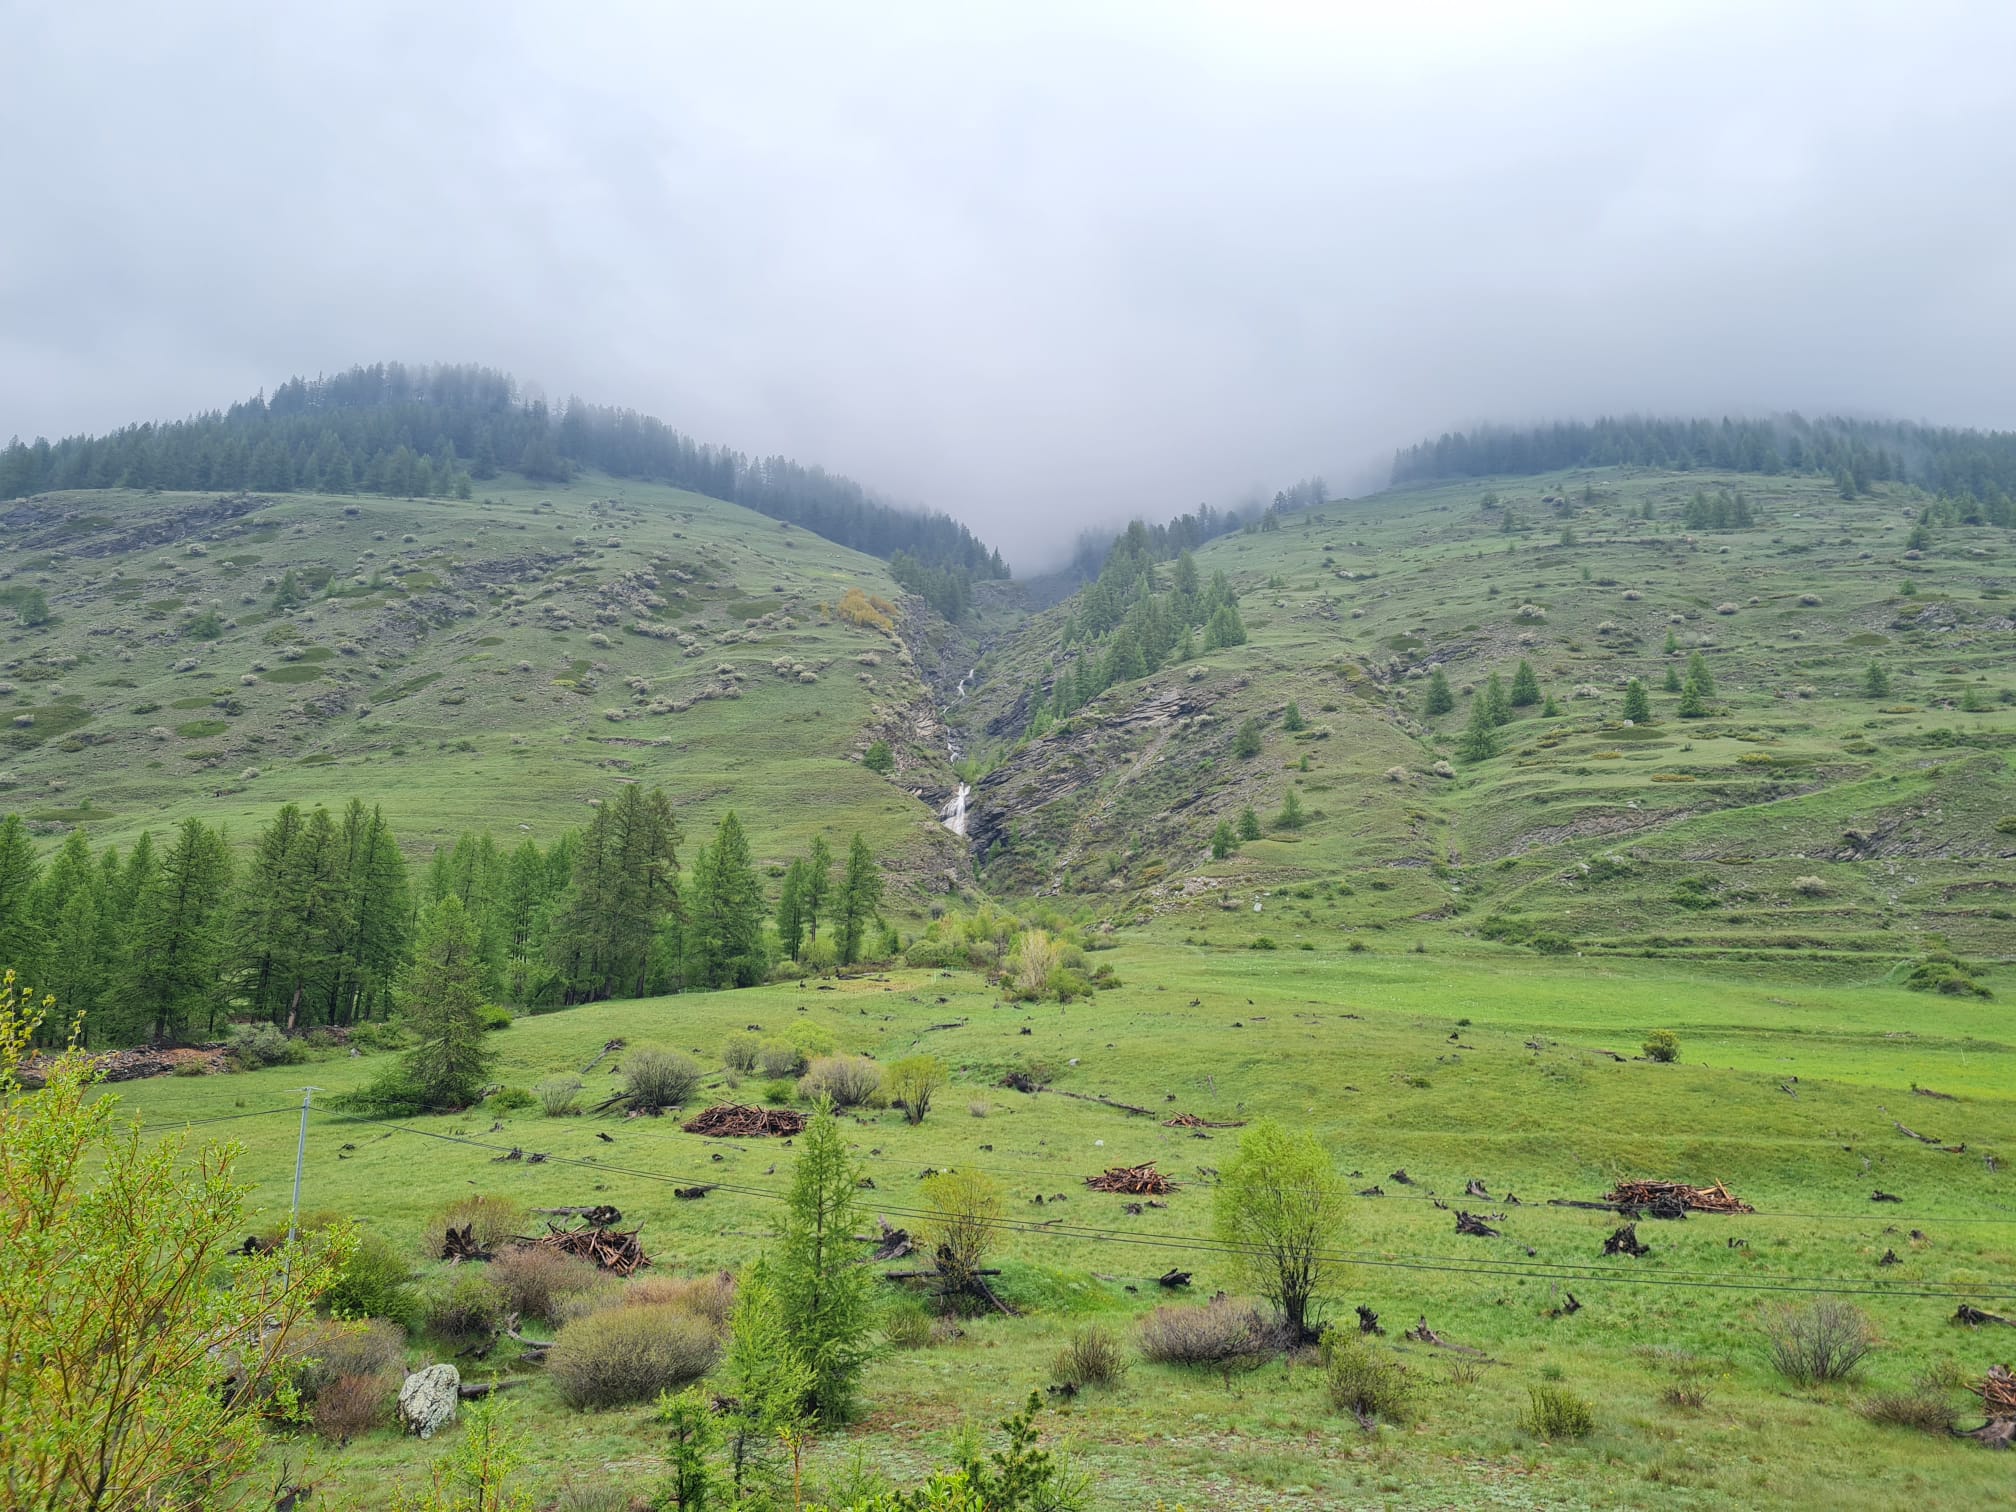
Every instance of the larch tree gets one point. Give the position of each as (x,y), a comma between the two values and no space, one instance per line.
(860,897)
(441,1002)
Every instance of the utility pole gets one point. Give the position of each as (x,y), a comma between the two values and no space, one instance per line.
(294,1214)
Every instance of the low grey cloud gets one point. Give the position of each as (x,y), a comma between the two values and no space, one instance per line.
(1038,265)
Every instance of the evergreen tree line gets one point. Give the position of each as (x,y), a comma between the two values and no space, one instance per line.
(1979,466)
(317,927)
(429,431)
(1187,532)
(1125,625)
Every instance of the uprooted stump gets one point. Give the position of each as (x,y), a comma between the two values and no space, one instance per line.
(1625,1242)
(1173,1279)
(1673,1198)
(1470,1223)
(1974,1317)
(1134,1181)
(1368,1321)
(737,1121)
(460,1244)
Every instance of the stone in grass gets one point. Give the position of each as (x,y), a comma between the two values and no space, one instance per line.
(428,1399)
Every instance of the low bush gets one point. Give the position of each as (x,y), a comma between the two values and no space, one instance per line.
(375,1282)
(1926,1405)
(1663,1046)
(909,1326)
(656,1078)
(557,1095)
(512,1100)
(850,1080)
(253,1046)
(1092,1357)
(352,1404)
(493,1017)
(1687,1377)
(535,1281)
(777,1059)
(378,1035)
(708,1298)
(467,1306)
(739,1052)
(1555,1412)
(1221,1333)
(1820,1341)
(1364,1380)
(322,1351)
(629,1354)
(491,1219)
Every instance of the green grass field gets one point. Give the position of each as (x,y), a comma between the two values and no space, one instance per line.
(1453,1065)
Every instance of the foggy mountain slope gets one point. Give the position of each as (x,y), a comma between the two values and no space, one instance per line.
(1797,811)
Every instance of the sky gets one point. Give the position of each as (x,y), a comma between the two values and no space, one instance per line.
(1042,266)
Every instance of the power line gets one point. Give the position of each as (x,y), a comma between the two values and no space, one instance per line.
(1564,1272)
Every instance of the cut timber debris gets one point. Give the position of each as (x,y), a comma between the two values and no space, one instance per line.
(617,1252)
(604,1216)
(1997,1392)
(891,1243)
(1474,1188)
(1173,1279)
(1625,1242)
(736,1121)
(1192,1121)
(1421,1333)
(1657,1195)
(1135,1181)
(1469,1223)
(1973,1317)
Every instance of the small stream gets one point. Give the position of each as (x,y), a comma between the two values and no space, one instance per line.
(953,814)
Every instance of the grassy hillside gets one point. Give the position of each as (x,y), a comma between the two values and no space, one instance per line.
(493,663)
(1799,816)
(1449,1067)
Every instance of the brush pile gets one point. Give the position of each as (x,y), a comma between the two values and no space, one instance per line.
(1192,1121)
(1671,1195)
(1135,1181)
(737,1121)
(613,1250)
(1998,1392)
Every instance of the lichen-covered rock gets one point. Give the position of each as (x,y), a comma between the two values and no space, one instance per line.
(428,1399)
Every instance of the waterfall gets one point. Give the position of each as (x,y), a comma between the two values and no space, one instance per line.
(953,815)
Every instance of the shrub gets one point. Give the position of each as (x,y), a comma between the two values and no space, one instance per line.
(375,1282)
(1365,1381)
(378,1035)
(252,1046)
(708,1298)
(534,1281)
(1555,1412)
(1926,1405)
(739,1053)
(1687,1377)
(512,1100)
(556,1095)
(351,1404)
(492,1017)
(629,1354)
(1092,1357)
(1811,887)
(1821,1341)
(879,758)
(850,1080)
(656,1078)
(778,1092)
(468,1305)
(323,1351)
(908,1326)
(491,1219)
(1663,1046)
(1221,1333)
(778,1058)
(913,1081)
(1944,974)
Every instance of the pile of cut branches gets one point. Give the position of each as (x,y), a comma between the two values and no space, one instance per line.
(738,1121)
(1192,1121)
(1655,1195)
(616,1251)
(1135,1181)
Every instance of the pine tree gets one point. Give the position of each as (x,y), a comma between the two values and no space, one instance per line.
(1247,743)
(1479,741)
(1672,683)
(1440,699)
(441,1003)
(1249,824)
(1550,709)
(1525,686)
(290,594)
(177,940)
(1223,842)
(826,1300)
(860,896)
(724,913)
(1637,705)
(1699,675)
(1693,701)
(1672,644)
(1292,720)
(1875,682)
(622,889)
(1497,706)
(1291,816)
(818,883)
(791,911)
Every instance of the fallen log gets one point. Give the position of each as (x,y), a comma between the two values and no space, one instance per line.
(1468,1223)
(1882,1196)
(1192,1121)
(1928,1092)
(609,1049)
(603,1216)
(692,1193)
(1173,1279)
(1973,1317)
(473,1391)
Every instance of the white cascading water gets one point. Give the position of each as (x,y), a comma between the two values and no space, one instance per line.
(953,815)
